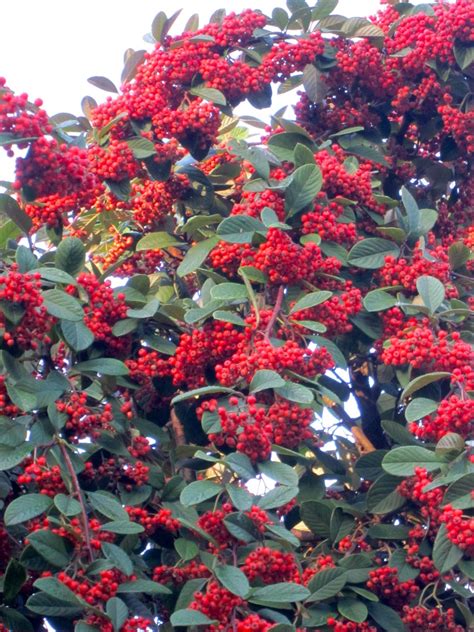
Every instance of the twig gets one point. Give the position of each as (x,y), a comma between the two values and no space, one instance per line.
(78,493)
(364,444)
(276,310)
(180,439)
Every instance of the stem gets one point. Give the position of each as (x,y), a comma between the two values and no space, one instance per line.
(78,493)
(276,310)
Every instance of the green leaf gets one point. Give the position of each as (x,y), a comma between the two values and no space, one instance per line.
(431,291)
(142,147)
(196,256)
(398,560)
(265,379)
(197,392)
(422,381)
(317,516)
(187,617)
(303,155)
(445,553)
(186,549)
(420,407)
(388,532)
(25,259)
(70,255)
(107,505)
(51,547)
(103,366)
(378,300)
(77,335)
(277,497)
(209,94)
(383,497)
(67,505)
(198,491)
(14,620)
(352,609)
(311,300)
(403,461)
(148,311)
(306,182)
(49,606)
(459,493)
(229,317)
(156,241)
(295,393)
(283,145)
(386,617)
(281,592)
(123,527)
(323,8)
(117,612)
(279,472)
(370,253)
(233,579)
(458,254)
(239,229)
(103,84)
(143,586)
(14,578)
(52,586)
(26,507)
(10,457)
(229,292)
(464,54)
(118,557)
(63,305)
(326,584)
(10,207)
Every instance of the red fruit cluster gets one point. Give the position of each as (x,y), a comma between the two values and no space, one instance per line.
(384,582)
(103,311)
(321,563)
(201,351)
(162,519)
(418,618)
(253,623)
(133,624)
(453,415)
(216,603)
(46,478)
(84,420)
(178,575)
(349,626)
(324,219)
(100,591)
(429,501)
(270,566)
(26,322)
(460,529)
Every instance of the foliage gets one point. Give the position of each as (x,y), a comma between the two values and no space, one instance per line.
(192,307)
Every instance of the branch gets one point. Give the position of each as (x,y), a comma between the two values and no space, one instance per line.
(276,310)
(78,493)
(179,435)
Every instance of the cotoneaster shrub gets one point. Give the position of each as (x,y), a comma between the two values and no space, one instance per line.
(236,365)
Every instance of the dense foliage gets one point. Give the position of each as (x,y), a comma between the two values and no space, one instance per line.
(236,372)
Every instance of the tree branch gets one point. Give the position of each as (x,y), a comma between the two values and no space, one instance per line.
(276,310)
(78,493)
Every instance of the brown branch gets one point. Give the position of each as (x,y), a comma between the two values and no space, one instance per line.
(78,493)
(364,444)
(276,310)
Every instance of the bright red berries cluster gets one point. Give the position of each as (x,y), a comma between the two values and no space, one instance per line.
(270,566)
(178,575)
(82,419)
(216,603)
(26,322)
(46,478)
(460,529)
(384,582)
(418,618)
(453,415)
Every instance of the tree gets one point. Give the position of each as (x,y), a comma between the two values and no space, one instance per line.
(236,373)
